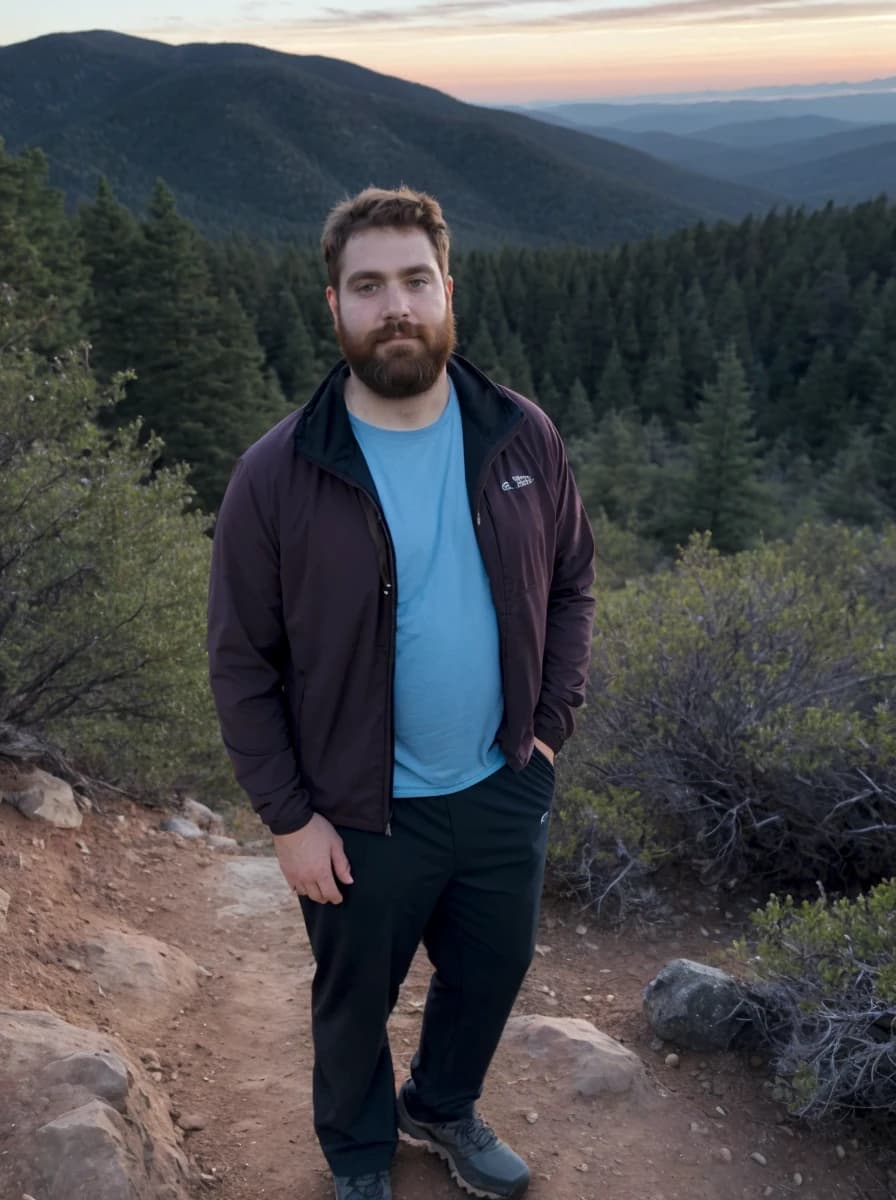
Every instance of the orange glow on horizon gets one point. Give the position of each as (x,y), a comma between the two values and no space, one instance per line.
(626,58)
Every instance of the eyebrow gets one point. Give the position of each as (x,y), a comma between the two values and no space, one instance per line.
(422,269)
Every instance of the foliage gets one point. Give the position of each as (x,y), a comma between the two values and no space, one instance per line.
(102,583)
(746,703)
(825,976)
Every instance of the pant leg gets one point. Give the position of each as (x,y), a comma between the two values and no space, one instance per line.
(481,936)
(363,949)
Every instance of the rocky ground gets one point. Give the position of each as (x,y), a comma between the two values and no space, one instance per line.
(184,970)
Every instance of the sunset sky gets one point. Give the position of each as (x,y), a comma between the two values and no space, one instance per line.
(524,50)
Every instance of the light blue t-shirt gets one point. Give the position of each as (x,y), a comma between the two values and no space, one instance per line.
(448,692)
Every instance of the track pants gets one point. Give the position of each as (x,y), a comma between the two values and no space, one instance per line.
(463,874)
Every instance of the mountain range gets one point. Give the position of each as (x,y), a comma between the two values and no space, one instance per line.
(264,142)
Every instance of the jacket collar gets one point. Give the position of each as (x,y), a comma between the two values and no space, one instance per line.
(489,415)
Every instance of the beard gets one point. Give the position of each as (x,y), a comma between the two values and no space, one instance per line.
(398,370)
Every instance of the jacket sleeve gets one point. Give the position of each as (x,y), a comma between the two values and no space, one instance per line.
(248,655)
(570,615)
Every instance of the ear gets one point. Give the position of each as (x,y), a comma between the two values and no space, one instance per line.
(333,302)
(449,286)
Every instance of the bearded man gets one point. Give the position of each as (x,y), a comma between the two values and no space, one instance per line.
(400,620)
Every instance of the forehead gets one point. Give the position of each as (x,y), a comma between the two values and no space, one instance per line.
(386,251)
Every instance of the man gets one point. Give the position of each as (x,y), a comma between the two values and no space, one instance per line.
(399,629)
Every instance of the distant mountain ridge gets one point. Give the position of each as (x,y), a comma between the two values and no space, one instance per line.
(265,142)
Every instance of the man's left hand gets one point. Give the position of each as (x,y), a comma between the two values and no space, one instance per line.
(545,750)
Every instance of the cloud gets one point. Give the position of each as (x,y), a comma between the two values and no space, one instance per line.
(509,16)
(501,17)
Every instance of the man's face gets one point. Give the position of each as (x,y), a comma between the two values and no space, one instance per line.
(392,311)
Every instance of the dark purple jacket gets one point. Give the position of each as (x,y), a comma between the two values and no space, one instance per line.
(301,632)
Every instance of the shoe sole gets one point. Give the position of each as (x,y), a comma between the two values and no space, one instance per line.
(444,1153)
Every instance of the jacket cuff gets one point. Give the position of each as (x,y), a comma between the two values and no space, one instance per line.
(550,735)
(290,822)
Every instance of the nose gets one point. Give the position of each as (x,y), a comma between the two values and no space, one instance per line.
(395,302)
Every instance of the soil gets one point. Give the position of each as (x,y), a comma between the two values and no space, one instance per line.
(237,1058)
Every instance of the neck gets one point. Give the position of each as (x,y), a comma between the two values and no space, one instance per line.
(413,412)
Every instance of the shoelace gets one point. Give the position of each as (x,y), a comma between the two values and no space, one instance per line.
(473,1134)
(366,1187)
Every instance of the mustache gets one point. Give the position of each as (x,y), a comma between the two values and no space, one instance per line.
(393,328)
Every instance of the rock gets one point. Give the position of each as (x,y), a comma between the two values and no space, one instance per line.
(4,908)
(182,827)
(723,1154)
(138,967)
(532,1117)
(697,1006)
(100,1072)
(43,797)
(64,1141)
(192,1123)
(218,842)
(672,1060)
(760,1158)
(201,815)
(82,1153)
(573,1049)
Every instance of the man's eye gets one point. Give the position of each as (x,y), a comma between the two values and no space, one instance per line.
(366,288)
(417,284)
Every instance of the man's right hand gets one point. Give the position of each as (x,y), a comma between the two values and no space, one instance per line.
(312,859)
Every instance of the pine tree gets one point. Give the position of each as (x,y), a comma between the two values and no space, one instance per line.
(727,497)
(112,245)
(517,372)
(848,491)
(615,390)
(578,415)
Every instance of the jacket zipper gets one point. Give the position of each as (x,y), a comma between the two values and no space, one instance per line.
(389,591)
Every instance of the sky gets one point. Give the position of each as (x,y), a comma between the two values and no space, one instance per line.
(523,51)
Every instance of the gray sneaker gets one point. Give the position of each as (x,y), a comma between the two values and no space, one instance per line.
(375,1186)
(478,1160)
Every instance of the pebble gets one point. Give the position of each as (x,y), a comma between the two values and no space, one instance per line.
(797,1179)
(698,1127)
(583,1167)
(721,1111)
(191,1124)
(840,1152)
(757,1157)
(723,1154)
(581,930)
(532,1117)
(587,999)
(657,1044)
(672,1060)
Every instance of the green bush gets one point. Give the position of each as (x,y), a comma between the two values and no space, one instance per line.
(825,973)
(745,706)
(103,574)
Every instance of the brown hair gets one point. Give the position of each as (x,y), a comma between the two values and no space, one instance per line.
(381,208)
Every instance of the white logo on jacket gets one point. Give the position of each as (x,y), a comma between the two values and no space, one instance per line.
(516,481)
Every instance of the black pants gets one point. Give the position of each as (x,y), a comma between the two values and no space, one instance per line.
(463,873)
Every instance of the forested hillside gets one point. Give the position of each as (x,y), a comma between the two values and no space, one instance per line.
(740,378)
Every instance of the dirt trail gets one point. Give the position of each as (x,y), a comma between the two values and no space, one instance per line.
(238,1056)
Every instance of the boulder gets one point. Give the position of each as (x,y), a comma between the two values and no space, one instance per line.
(182,827)
(82,1121)
(697,1006)
(201,815)
(43,797)
(572,1049)
(138,967)
(219,842)
(99,1072)
(83,1155)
